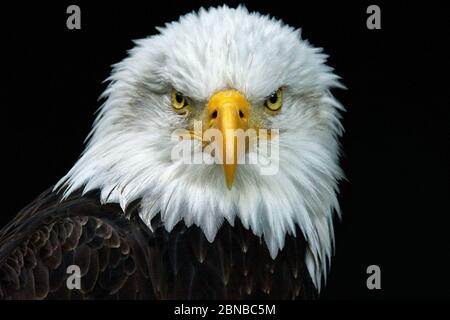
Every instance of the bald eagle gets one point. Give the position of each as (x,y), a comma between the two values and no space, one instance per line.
(139,223)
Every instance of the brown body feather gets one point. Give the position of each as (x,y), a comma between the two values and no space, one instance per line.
(121,258)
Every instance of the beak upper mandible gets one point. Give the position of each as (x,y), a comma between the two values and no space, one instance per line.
(228,111)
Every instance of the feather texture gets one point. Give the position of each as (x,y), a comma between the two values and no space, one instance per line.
(121,258)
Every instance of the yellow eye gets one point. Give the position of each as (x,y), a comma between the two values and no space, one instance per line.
(274,101)
(178,100)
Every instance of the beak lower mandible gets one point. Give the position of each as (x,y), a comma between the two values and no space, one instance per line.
(228,111)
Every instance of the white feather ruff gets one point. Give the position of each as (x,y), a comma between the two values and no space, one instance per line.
(128,154)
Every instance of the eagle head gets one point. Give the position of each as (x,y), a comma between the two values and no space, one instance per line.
(182,93)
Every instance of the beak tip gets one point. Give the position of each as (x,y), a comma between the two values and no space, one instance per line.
(229,182)
(229,175)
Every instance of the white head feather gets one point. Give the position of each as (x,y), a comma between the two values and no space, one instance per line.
(128,156)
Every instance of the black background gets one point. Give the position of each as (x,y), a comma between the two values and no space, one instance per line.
(396,201)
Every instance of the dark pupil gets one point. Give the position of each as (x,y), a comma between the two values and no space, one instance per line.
(178,97)
(273,98)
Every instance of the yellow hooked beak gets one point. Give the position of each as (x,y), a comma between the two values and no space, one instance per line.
(228,111)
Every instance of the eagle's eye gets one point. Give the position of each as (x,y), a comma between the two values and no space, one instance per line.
(274,101)
(178,100)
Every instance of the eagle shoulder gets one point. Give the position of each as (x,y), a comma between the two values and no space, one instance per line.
(49,236)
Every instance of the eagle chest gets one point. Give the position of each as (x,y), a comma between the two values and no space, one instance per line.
(236,265)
